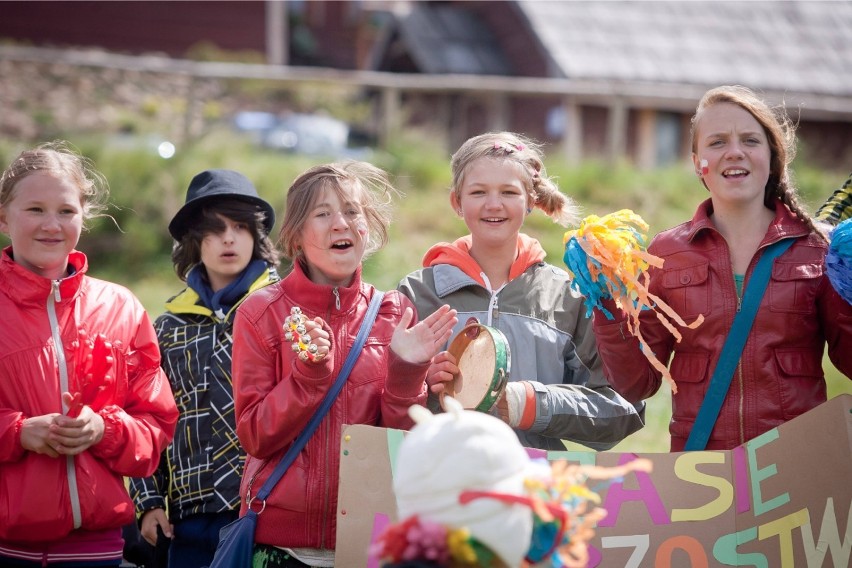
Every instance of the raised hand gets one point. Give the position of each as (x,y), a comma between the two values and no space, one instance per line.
(425,339)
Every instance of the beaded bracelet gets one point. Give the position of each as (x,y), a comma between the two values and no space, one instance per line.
(297,333)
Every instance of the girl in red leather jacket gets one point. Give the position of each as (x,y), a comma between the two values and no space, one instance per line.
(336,215)
(83,401)
(741,150)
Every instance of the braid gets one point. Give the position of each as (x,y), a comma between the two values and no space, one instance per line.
(510,146)
(788,197)
(558,206)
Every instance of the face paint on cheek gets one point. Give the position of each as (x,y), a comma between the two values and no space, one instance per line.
(361,228)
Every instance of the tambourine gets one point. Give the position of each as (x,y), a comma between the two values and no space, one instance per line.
(483,357)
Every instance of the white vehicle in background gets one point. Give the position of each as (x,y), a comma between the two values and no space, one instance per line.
(300,133)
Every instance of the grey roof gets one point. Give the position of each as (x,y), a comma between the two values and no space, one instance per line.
(803,46)
(443,39)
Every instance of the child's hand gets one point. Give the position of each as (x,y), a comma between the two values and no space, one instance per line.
(423,341)
(311,339)
(151,519)
(35,434)
(72,435)
(317,333)
(443,370)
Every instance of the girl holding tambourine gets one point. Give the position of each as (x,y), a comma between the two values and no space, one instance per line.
(497,276)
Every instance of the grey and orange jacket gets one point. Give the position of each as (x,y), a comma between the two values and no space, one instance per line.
(550,339)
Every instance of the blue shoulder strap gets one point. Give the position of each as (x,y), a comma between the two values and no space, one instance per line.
(733,347)
(326,403)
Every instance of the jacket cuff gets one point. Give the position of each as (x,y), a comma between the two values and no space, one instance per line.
(149,504)
(17,427)
(113,439)
(406,380)
(315,371)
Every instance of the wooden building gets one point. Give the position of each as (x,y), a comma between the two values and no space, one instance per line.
(614,79)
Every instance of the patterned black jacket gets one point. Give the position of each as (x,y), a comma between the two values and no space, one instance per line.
(200,471)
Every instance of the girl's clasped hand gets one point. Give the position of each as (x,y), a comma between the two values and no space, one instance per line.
(56,434)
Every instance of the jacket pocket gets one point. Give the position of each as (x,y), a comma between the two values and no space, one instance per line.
(371,365)
(34,501)
(792,287)
(689,366)
(801,385)
(289,494)
(689,370)
(687,290)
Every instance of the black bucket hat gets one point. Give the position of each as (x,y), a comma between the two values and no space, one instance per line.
(218,184)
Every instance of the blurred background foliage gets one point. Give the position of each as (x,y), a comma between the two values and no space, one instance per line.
(119,121)
(146,190)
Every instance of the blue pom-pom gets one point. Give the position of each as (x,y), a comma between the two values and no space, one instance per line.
(593,290)
(838,260)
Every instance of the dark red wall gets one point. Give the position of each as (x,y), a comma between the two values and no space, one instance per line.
(137,27)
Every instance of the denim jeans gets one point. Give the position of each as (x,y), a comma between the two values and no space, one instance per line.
(196,537)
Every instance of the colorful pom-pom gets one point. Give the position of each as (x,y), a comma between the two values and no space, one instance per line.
(838,260)
(607,259)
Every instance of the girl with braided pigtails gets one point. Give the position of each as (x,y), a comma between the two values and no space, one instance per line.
(497,275)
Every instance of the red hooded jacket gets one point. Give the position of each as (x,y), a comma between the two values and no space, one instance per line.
(42,499)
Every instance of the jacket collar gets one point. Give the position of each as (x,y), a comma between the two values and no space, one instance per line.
(321,298)
(189,302)
(27,287)
(785,224)
(457,254)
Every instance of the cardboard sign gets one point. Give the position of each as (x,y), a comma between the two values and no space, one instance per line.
(780,500)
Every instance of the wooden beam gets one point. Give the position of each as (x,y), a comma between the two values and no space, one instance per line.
(664,96)
(277,38)
(646,140)
(616,130)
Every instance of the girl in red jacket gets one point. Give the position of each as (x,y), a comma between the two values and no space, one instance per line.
(741,151)
(83,401)
(336,215)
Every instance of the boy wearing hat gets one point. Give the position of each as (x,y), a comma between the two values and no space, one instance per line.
(223,252)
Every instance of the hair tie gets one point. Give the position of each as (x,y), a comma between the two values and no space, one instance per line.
(509,148)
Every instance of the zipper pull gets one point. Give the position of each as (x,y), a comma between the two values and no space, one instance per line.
(57,296)
(492,308)
(336,298)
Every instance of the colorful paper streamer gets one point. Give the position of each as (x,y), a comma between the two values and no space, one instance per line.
(607,258)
